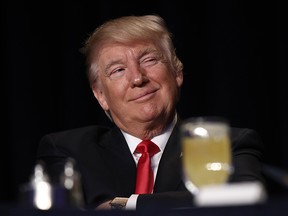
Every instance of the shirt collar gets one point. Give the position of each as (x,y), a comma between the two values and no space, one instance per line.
(160,140)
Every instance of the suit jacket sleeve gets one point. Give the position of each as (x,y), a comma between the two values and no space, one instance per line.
(247,155)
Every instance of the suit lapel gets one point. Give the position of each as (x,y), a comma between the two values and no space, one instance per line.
(120,160)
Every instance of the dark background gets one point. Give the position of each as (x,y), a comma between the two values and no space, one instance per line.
(234,55)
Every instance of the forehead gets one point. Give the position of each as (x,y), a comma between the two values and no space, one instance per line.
(118,48)
(111,52)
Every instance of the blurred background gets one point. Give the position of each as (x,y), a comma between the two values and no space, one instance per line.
(234,53)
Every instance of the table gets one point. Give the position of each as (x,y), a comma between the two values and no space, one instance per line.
(273,206)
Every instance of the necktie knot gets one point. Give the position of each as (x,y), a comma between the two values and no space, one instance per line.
(147,146)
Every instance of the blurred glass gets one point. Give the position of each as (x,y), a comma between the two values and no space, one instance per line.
(206,150)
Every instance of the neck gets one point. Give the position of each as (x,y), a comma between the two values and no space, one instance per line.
(149,130)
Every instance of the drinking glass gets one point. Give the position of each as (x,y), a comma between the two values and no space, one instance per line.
(206,152)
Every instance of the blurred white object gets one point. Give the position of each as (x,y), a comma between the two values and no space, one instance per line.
(246,193)
(71,180)
(42,188)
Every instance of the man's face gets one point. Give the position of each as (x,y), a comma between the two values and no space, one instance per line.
(135,84)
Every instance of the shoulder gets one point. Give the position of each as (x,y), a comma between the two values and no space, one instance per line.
(243,133)
(79,141)
(81,132)
(246,138)
(82,136)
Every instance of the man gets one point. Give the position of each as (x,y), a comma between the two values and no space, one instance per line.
(136,77)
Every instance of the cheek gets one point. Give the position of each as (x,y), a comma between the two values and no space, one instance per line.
(115,91)
(160,75)
(167,77)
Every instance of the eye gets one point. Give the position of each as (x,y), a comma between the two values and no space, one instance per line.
(149,61)
(116,73)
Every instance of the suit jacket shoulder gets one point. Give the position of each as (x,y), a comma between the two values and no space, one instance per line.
(73,139)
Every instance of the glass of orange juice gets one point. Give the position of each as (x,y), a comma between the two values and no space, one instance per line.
(206,152)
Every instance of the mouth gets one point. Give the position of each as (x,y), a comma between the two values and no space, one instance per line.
(144,96)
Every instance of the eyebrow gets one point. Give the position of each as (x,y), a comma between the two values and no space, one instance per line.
(146,51)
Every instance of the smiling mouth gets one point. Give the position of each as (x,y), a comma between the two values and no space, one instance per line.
(144,96)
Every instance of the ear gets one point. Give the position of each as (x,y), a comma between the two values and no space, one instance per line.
(179,78)
(99,95)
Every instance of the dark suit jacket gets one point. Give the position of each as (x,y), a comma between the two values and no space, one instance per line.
(108,168)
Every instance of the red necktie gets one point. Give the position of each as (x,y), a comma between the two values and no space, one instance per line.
(145,178)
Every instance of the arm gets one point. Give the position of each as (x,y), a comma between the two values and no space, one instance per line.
(247,151)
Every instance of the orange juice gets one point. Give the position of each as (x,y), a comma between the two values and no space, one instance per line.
(207,160)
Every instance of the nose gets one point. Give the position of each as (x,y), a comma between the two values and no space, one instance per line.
(137,81)
(138,77)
